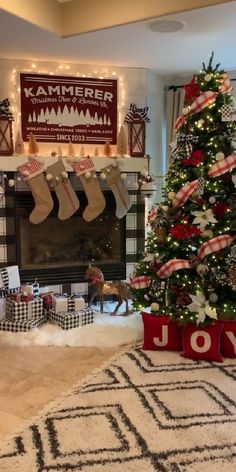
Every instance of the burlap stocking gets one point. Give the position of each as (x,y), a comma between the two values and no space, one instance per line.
(85,170)
(68,201)
(32,173)
(116,184)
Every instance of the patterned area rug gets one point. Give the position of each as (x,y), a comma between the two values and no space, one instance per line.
(145,411)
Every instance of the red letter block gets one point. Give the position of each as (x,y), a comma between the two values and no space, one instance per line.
(202,343)
(228,338)
(160,333)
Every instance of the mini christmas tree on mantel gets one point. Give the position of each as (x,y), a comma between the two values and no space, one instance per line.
(189,267)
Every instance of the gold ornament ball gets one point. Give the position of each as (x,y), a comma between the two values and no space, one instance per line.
(171,195)
(185,111)
(155,306)
(212,200)
(202,269)
(213,297)
(207,234)
(11,182)
(220,156)
(207,77)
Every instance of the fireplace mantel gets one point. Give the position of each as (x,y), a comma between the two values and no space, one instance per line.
(126,164)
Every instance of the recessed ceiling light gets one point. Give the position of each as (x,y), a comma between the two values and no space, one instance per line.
(166,26)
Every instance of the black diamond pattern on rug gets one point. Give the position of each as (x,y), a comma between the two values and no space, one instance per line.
(146,411)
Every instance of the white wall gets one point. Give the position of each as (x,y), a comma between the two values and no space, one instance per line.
(155,129)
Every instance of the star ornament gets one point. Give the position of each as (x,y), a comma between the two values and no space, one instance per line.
(203,218)
(202,307)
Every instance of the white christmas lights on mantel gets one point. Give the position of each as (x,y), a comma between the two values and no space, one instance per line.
(127,164)
(63,69)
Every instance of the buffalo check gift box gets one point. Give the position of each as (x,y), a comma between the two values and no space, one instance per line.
(72,319)
(23,315)
(24,310)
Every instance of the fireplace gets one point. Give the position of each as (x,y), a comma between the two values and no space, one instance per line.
(61,274)
(58,252)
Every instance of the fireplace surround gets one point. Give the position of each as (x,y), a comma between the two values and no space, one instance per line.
(127,238)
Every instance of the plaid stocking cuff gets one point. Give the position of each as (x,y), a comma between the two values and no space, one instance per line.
(30,169)
(86,165)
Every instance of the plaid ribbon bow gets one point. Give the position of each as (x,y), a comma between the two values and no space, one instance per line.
(4,110)
(184,144)
(133,110)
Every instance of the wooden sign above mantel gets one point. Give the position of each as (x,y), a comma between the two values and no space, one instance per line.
(126,164)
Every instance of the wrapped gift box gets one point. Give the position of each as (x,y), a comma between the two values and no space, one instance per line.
(72,319)
(21,326)
(63,303)
(23,311)
(2,308)
(47,300)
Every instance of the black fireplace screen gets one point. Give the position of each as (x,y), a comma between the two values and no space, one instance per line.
(59,251)
(55,243)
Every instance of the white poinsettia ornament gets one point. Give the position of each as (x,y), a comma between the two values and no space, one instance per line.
(203,218)
(202,307)
(234,179)
(149,257)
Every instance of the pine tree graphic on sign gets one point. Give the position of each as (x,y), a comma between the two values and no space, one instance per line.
(68,117)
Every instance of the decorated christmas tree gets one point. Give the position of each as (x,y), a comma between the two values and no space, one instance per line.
(188,270)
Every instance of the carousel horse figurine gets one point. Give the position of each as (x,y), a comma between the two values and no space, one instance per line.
(95,276)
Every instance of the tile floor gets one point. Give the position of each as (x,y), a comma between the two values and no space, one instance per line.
(31,377)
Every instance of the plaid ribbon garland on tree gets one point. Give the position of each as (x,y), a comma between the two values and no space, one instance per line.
(184,193)
(213,245)
(204,100)
(140,281)
(171,266)
(221,167)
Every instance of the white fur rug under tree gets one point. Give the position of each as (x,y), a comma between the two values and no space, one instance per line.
(145,411)
(106,331)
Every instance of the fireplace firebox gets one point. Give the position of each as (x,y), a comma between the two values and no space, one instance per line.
(58,251)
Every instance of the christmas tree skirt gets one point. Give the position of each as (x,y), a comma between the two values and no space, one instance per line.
(105,331)
(147,411)
(21,326)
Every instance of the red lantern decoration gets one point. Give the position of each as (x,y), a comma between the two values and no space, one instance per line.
(136,120)
(6,118)
(6,142)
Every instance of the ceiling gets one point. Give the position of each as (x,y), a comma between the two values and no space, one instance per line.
(132,45)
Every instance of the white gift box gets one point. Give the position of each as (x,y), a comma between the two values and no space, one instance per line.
(59,303)
(71,303)
(76,303)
